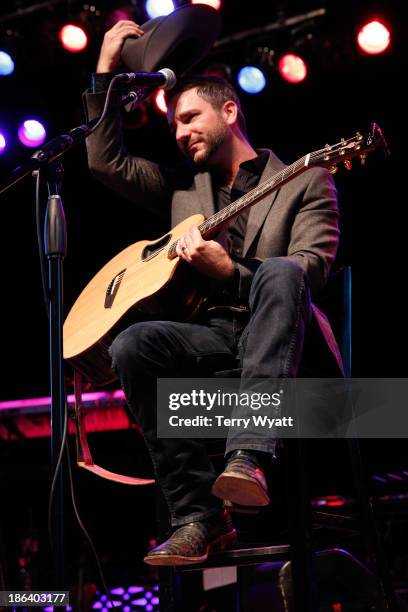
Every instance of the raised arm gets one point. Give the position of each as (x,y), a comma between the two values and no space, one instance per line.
(137,179)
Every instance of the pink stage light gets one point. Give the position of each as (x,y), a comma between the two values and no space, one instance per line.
(374,38)
(41,402)
(160,101)
(73,38)
(2,143)
(292,68)
(216,4)
(32,133)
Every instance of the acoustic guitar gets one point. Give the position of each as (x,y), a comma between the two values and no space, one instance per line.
(147,280)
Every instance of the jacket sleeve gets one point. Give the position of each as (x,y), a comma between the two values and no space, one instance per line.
(315,231)
(139,180)
(314,235)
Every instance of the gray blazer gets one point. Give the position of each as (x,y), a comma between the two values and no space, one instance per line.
(299,221)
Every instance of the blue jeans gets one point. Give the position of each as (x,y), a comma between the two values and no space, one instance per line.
(269,346)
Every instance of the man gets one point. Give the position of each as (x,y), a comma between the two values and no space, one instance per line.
(276,254)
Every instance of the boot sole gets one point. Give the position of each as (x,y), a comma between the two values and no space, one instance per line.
(240,489)
(224,542)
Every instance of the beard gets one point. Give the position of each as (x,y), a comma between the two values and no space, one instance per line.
(210,144)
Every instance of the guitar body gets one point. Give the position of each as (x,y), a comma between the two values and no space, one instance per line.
(133,286)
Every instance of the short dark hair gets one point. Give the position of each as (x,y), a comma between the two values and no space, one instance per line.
(213,89)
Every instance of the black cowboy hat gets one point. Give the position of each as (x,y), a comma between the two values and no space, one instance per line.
(177,41)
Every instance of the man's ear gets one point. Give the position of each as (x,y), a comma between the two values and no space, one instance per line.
(230,112)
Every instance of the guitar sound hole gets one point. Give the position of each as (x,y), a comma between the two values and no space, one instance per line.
(150,250)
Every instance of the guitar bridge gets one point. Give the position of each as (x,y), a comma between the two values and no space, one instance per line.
(113,288)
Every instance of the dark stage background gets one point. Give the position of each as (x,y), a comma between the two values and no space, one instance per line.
(344,92)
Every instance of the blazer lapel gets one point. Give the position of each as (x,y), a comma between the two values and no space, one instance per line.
(258,212)
(205,193)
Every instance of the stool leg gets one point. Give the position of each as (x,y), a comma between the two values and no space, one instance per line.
(369,526)
(170,594)
(300,528)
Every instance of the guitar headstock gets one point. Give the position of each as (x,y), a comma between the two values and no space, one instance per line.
(357,146)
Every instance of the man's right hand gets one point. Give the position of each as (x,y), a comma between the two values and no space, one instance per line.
(114,38)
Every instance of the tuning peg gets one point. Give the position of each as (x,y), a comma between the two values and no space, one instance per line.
(363,158)
(332,169)
(347,164)
(328,149)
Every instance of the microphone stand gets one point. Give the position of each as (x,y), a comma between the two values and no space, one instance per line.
(55,246)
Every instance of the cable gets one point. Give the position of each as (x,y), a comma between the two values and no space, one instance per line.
(105,107)
(134,96)
(54,477)
(86,533)
(39,227)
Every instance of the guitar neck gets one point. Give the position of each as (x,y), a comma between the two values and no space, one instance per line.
(357,146)
(214,223)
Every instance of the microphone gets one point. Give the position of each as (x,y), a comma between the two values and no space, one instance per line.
(164,78)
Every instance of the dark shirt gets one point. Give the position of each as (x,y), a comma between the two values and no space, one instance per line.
(247,178)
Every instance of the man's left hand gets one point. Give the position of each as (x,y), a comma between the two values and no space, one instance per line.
(208,256)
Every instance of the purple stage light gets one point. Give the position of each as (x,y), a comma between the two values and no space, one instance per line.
(118,591)
(135,589)
(31,133)
(139,602)
(3,143)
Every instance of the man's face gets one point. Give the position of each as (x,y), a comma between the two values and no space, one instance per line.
(199,128)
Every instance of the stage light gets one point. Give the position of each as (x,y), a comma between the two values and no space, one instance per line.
(6,64)
(160,101)
(3,143)
(73,38)
(373,38)
(216,4)
(251,79)
(119,14)
(31,133)
(292,68)
(157,8)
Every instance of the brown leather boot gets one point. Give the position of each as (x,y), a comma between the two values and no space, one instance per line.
(193,542)
(243,481)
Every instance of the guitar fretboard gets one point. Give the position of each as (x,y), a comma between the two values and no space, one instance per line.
(250,198)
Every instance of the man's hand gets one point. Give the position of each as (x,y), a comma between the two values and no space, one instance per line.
(208,256)
(114,38)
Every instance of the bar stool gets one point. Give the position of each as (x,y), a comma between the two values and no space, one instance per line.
(299,577)
(300,549)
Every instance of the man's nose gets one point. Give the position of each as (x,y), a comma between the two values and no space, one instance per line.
(182,134)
